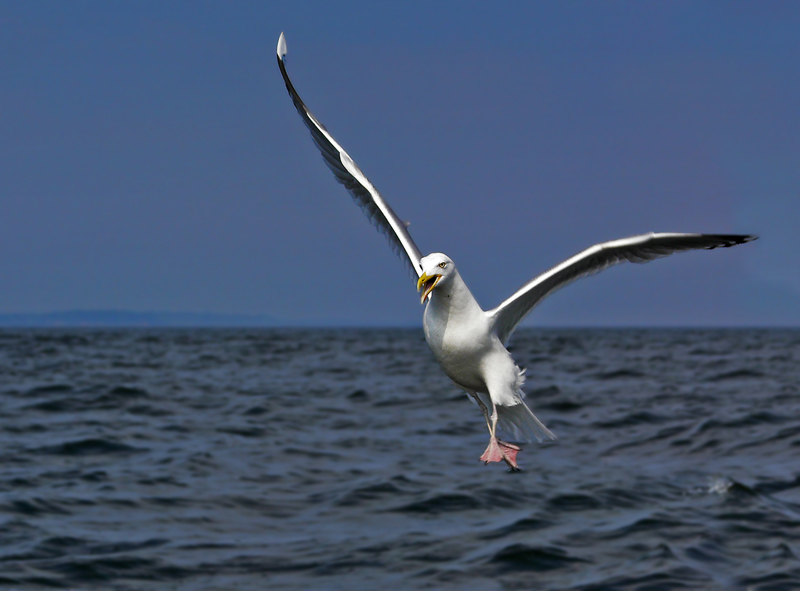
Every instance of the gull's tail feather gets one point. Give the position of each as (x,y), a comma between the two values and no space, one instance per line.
(518,421)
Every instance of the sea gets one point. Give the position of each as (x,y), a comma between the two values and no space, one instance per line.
(344,459)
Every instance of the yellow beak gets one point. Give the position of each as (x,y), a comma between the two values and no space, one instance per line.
(428,282)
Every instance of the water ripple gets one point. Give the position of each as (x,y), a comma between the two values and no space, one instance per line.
(345,459)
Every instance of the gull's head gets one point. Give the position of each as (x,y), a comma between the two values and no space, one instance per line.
(437,269)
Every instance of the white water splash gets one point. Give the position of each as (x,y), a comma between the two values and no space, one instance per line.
(720,485)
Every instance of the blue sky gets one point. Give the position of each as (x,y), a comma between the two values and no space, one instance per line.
(153,161)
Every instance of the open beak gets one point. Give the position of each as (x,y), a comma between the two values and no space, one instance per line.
(426,283)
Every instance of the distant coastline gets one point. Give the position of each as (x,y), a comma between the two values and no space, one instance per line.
(127,318)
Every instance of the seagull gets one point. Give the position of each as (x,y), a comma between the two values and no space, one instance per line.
(468,342)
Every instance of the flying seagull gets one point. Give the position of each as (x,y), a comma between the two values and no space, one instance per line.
(468,342)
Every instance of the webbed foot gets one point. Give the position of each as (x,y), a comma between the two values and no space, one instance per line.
(500,451)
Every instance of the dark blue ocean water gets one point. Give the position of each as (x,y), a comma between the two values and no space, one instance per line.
(344,459)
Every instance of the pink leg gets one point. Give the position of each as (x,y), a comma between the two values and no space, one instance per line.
(500,451)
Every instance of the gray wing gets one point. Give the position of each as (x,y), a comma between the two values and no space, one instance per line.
(347,173)
(636,249)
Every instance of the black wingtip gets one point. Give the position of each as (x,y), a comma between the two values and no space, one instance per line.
(743,239)
(735,240)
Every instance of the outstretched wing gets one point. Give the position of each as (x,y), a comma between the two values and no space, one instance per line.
(347,173)
(636,249)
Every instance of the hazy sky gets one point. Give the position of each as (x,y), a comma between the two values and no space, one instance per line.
(152,160)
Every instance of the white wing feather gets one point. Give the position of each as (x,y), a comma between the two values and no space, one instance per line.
(347,172)
(636,249)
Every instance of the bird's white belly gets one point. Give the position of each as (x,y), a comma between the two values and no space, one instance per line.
(464,366)
(461,348)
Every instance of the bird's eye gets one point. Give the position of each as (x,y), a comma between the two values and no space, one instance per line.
(442,265)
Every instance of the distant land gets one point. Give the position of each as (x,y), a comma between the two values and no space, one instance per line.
(125,318)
